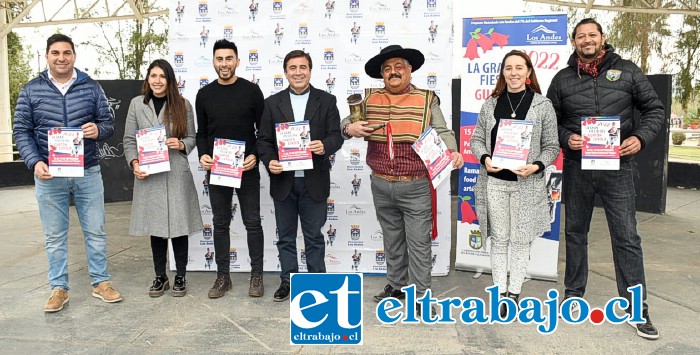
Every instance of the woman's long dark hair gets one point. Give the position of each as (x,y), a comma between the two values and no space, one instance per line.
(501,83)
(175,115)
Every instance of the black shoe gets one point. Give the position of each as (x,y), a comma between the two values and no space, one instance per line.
(160,285)
(180,286)
(646,330)
(256,288)
(389,292)
(504,309)
(221,285)
(433,311)
(282,293)
(574,306)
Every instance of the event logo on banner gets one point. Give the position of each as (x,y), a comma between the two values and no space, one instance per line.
(485,42)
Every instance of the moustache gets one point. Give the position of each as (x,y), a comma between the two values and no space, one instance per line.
(397,76)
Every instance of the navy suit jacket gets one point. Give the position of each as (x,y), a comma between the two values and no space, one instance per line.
(324,123)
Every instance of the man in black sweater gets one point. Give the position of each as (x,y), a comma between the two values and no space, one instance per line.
(230,108)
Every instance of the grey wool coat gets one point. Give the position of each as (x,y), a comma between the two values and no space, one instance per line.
(164,204)
(533,210)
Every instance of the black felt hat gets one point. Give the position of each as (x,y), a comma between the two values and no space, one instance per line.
(373,68)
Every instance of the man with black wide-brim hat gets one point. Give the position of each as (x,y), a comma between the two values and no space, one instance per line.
(402,192)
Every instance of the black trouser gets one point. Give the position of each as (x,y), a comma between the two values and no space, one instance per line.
(159,247)
(249,203)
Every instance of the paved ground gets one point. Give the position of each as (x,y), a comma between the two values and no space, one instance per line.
(239,324)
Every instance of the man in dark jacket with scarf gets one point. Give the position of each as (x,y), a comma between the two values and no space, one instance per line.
(598,82)
(66,97)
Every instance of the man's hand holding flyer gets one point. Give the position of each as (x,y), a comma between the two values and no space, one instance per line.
(293,141)
(66,152)
(228,163)
(434,154)
(601,143)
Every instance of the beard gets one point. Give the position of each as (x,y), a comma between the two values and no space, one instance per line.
(231,73)
(589,54)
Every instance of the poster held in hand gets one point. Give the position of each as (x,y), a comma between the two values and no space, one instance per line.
(153,153)
(512,144)
(228,163)
(66,152)
(434,153)
(293,141)
(601,143)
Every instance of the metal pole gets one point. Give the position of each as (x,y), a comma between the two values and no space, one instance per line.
(5,119)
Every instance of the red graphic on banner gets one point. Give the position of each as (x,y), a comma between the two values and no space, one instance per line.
(485,41)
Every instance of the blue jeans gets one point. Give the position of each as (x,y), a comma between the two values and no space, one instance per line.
(616,190)
(53,197)
(313,216)
(249,203)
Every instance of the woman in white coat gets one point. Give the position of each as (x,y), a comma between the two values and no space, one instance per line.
(164,205)
(511,204)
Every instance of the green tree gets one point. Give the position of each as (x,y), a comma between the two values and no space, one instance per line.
(18,62)
(128,44)
(639,34)
(688,60)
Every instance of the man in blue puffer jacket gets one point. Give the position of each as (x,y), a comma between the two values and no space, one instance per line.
(66,97)
(598,82)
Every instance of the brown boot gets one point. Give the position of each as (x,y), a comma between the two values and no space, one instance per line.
(256,288)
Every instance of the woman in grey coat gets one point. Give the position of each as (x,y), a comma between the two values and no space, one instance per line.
(511,204)
(164,205)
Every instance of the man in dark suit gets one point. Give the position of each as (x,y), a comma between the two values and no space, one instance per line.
(300,194)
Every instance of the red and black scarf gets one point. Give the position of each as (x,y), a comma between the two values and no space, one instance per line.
(591,67)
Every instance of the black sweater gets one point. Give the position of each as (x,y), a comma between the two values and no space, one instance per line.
(230,112)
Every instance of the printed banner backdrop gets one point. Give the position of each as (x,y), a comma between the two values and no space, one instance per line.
(340,36)
(485,41)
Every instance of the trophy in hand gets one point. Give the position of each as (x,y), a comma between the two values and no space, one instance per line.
(357,112)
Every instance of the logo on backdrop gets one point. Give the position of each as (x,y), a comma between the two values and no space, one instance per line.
(380,33)
(326,309)
(544,35)
(207,231)
(203,9)
(233,254)
(354,5)
(432,80)
(431,6)
(328,56)
(203,81)
(228,32)
(303,30)
(354,80)
(330,210)
(253,57)
(379,257)
(179,59)
(278,82)
(277,10)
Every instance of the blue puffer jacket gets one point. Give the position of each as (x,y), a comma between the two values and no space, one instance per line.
(41,106)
